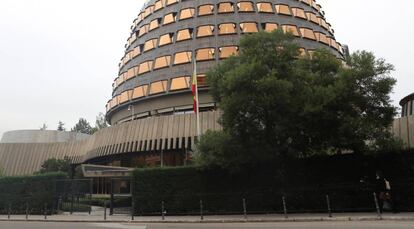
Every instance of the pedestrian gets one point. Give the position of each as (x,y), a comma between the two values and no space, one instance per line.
(380,190)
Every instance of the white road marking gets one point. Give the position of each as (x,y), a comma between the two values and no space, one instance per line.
(117,226)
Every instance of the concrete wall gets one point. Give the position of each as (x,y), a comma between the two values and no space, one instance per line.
(41,136)
(144,135)
(404,129)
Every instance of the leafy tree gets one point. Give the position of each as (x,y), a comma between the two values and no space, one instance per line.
(100,122)
(61,126)
(56,165)
(43,127)
(82,126)
(277,103)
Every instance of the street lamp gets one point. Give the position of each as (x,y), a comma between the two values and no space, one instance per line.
(132,109)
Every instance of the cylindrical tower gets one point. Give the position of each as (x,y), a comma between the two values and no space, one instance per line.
(154,76)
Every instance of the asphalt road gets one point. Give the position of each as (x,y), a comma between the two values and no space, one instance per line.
(304,225)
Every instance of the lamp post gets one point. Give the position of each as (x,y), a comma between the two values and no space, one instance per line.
(132,109)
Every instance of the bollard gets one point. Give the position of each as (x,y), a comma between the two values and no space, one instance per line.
(27,211)
(244,209)
(377,206)
(105,211)
(284,207)
(328,203)
(162,210)
(201,210)
(45,211)
(9,211)
(132,209)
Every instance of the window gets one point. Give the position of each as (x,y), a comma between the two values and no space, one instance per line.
(245,7)
(154,24)
(323,23)
(162,62)
(182,57)
(205,10)
(143,30)
(166,39)
(180,83)
(150,44)
(169,18)
(312,17)
(307,33)
(227,28)
(158,87)
(300,13)
(321,38)
(291,29)
(308,2)
(136,52)
(132,39)
(148,11)
(124,97)
(227,51)
(283,9)
(114,102)
(145,67)
(158,5)
(132,72)
(265,7)
(140,92)
(269,27)
(205,54)
(225,7)
(187,13)
(205,31)
(170,2)
(249,27)
(201,80)
(184,34)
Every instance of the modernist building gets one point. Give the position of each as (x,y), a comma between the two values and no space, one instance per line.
(151,106)
(404,126)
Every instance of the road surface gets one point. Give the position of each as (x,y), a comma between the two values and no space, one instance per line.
(287,225)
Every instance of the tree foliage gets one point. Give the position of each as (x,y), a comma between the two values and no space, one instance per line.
(100,122)
(82,126)
(55,165)
(61,126)
(277,103)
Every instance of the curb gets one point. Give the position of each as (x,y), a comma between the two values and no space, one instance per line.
(207,221)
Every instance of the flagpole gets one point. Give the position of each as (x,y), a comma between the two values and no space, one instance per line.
(197,101)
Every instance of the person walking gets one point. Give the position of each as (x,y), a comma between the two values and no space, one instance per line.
(380,190)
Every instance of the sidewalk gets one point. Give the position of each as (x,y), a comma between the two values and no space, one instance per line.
(215,218)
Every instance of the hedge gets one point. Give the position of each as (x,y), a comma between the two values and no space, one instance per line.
(347,179)
(36,191)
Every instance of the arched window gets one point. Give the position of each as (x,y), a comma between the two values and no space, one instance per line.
(205,54)
(227,28)
(182,57)
(249,27)
(225,7)
(205,31)
(205,10)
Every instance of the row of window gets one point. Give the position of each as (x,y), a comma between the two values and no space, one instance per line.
(202,54)
(222,7)
(228,7)
(408,109)
(158,87)
(225,29)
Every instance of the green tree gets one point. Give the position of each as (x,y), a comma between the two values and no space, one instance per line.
(56,165)
(43,127)
(82,126)
(100,122)
(278,104)
(61,126)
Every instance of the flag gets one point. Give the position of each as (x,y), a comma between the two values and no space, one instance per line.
(194,89)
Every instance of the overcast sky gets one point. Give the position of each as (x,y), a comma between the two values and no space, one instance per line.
(58,58)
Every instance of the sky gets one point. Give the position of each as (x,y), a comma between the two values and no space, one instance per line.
(58,59)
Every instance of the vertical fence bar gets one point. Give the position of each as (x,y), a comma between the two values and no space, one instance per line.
(111,204)
(377,206)
(9,211)
(162,210)
(27,211)
(284,207)
(131,189)
(90,195)
(105,210)
(244,209)
(201,210)
(45,211)
(328,204)
(132,208)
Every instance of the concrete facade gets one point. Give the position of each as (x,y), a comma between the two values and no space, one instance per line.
(41,136)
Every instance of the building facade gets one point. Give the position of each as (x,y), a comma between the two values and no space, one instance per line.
(150,109)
